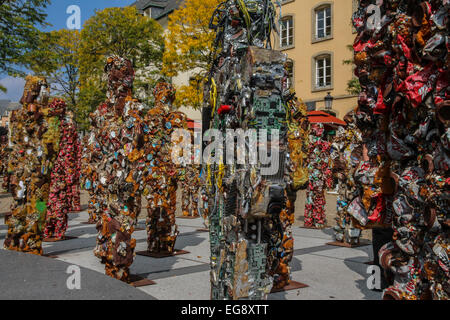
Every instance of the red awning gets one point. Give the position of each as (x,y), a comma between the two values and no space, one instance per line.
(325,118)
(193,124)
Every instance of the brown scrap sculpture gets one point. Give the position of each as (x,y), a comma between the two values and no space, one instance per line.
(190,191)
(35,141)
(4,154)
(117,128)
(161,177)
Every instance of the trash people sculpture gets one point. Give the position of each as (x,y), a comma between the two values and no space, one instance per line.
(190,191)
(403,113)
(346,154)
(250,224)
(88,176)
(64,175)
(4,154)
(117,130)
(319,177)
(162,173)
(34,142)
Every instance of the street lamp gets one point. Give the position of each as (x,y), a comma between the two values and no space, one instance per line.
(328,102)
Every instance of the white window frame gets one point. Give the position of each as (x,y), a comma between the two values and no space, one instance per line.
(289,31)
(290,78)
(326,18)
(326,68)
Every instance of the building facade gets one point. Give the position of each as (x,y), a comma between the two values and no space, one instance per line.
(6,106)
(316,36)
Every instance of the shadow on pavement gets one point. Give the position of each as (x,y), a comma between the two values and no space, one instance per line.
(34,277)
(362,268)
(296,265)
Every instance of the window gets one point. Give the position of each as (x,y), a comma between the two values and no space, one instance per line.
(311,106)
(323,22)
(290,70)
(287,32)
(323,71)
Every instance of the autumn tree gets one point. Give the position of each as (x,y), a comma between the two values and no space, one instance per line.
(122,32)
(188,46)
(56,58)
(19,22)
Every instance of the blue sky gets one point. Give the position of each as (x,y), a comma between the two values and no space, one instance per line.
(57,16)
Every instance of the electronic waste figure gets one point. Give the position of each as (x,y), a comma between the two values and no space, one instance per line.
(250,226)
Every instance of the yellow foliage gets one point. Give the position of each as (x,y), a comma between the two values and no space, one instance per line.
(190,95)
(188,46)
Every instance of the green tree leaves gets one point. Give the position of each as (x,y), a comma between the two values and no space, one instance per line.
(56,58)
(18,31)
(122,32)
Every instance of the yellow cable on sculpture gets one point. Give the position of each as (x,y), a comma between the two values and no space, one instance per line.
(246,15)
(219,175)
(208,174)
(213,96)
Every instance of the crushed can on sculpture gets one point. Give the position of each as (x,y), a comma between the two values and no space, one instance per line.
(250,223)
(403,114)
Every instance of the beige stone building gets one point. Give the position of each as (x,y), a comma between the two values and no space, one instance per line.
(316,34)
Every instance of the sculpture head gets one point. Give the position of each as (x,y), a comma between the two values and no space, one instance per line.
(57,107)
(36,91)
(164,93)
(120,74)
